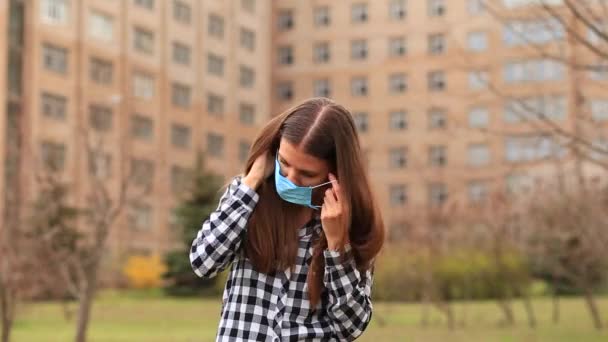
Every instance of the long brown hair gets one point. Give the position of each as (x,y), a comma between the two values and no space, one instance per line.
(323,129)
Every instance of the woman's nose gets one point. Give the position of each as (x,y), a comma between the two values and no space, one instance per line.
(293,178)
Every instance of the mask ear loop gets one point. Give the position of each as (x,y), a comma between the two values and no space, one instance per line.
(317,207)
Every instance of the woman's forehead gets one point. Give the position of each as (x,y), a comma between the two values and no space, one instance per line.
(294,156)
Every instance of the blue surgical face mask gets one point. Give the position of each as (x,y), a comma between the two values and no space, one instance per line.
(292,193)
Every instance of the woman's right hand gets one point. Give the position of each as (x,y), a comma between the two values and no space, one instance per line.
(261,169)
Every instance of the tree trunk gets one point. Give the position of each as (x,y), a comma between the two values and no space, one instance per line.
(555,307)
(593,309)
(507,310)
(530,312)
(7,311)
(86,304)
(424,319)
(446,308)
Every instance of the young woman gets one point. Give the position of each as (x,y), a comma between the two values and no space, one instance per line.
(301,230)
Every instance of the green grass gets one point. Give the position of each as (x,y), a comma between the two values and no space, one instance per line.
(150,317)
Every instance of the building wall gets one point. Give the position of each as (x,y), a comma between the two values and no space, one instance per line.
(3,90)
(456,100)
(73,34)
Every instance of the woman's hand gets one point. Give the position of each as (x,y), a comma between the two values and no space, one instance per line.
(334,215)
(261,169)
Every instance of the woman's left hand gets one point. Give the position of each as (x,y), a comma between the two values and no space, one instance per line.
(334,215)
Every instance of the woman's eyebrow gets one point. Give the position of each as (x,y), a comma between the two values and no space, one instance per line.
(301,170)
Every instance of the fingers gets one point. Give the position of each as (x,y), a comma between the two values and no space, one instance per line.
(336,187)
(330,199)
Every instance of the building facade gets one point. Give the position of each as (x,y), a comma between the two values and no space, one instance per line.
(108,89)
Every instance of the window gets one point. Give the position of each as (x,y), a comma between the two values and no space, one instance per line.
(437,118)
(143,86)
(533,147)
(181,179)
(285,20)
(321,16)
(398,158)
(101,71)
(436,43)
(398,120)
(358,49)
(437,155)
(599,71)
(247,78)
(180,136)
(216,26)
(101,26)
(599,109)
(436,80)
(478,80)
(285,55)
(54,11)
(397,9)
(398,194)
(142,172)
(142,127)
(321,88)
(215,145)
(55,58)
(551,107)
(438,194)
(181,53)
(54,106)
(140,216)
(100,118)
(436,8)
(478,191)
(518,182)
(215,65)
(397,47)
(149,4)
(244,147)
(285,90)
(247,39)
(533,70)
(15,75)
(247,113)
(532,32)
(248,5)
(144,41)
(358,86)
(477,41)
(181,95)
(53,156)
(479,155)
(478,117)
(475,7)
(321,52)
(361,121)
(359,13)
(100,165)
(397,83)
(182,12)
(215,105)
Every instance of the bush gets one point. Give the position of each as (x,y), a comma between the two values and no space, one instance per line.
(144,271)
(403,275)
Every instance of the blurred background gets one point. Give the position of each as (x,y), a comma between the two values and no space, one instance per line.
(482,122)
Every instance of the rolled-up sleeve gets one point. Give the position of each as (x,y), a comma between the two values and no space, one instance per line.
(220,237)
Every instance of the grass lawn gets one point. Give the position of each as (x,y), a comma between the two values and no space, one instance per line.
(131,317)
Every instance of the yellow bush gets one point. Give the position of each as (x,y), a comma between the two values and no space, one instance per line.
(144,271)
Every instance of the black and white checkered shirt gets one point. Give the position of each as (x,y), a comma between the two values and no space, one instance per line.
(262,307)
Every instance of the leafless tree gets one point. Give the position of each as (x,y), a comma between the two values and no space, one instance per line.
(570,238)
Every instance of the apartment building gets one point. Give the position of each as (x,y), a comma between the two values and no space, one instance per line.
(99,87)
